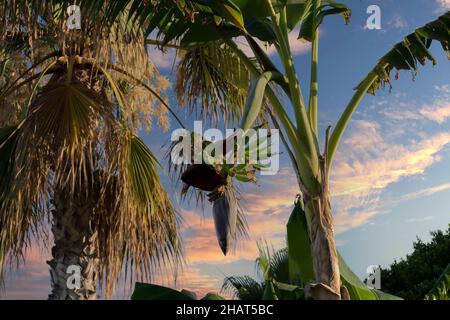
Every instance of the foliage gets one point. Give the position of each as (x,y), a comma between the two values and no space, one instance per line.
(414,276)
(288,271)
(71,105)
(184,23)
(214,27)
(275,268)
(144,291)
(441,291)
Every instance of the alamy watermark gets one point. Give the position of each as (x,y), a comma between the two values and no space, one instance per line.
(374,20)
(373,280)
(74,279)
(74,19)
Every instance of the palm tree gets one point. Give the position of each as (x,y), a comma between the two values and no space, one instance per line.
(71,105)
(196,26)
(273,266)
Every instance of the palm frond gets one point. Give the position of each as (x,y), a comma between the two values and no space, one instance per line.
(213,78)
(279,266)
(263,261)
(8,144)
(272,264)
(243,288)
(143,175)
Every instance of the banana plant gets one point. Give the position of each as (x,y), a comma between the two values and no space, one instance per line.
(196,24)
(441,289)
(287,274)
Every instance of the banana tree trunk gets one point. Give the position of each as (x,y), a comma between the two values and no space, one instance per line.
(73,269)
(323,249)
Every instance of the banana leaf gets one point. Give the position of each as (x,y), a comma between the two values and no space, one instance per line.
(441,290)
(144,291)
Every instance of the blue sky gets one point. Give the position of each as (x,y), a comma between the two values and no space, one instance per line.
(391,179)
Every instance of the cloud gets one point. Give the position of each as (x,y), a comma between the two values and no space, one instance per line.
(402,115)
(162,59)
(32,279)
(346,221)
(443,4)
(425,192)
(438,112)
(298,46)
(445,88)
(418,220)
(397,22)
(370,161)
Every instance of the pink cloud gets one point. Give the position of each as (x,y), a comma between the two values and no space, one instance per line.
(443,4)
(438,112)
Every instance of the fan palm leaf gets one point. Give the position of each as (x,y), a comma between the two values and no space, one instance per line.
(85,97)
(215,79)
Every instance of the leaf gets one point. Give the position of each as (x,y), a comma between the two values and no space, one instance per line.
(313,17)
(9,137)
(266,63)
(296,12)
(243,288)
(143,291)
(253,8)
(212,81)
(261,28)
(441,290)
(255,99)
(244,179)
(287,287)
(188,293)
(270,292)
(356,288)
(143,175)
(199,35)
(259,8)
(212,296)
(299,251)
(228,10)
(334,8)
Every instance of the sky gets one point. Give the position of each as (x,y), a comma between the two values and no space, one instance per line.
(391,178)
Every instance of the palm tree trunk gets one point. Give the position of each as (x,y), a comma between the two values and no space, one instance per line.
(73,246)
